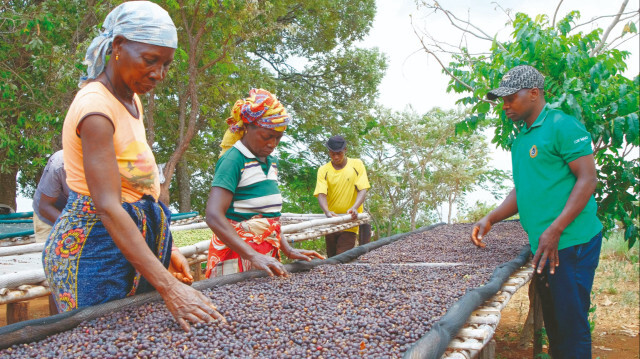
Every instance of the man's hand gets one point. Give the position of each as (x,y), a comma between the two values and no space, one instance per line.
(179,267)
(268,264)
(353,211)
(480,229)
(330,214)
(547,249)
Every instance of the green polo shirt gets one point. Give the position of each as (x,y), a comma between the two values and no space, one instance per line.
(540,156)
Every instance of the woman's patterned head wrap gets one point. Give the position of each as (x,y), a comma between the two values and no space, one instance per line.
(141,21)
(262,109)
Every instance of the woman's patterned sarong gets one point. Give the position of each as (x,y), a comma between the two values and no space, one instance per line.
(84,266)
(262,234)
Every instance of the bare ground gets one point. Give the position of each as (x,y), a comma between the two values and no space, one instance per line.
(615,334)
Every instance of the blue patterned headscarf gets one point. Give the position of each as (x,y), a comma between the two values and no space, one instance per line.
(141,21)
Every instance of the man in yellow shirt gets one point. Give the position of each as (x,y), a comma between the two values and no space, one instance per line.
(341,188)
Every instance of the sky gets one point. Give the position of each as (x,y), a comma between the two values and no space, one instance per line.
(414,78)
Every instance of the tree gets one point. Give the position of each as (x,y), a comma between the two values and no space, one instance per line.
(416,162)
(303,52)
(227,47)
(475,213)
(583,78)
(38,78)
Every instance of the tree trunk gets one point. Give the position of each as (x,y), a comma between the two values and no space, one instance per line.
(452,199)
(184,187)
(414,214)
(150,110)
(375,235)
(8,188)
(188,129)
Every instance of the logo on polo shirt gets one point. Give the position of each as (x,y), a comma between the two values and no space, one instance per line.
(581,139)
(533,152)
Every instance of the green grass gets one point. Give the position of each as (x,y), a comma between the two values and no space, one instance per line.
(185,238)
(615,246)
(630,298)
(611,290)
(621,265)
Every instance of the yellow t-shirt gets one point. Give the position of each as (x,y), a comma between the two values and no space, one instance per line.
(137,165)
(342,186)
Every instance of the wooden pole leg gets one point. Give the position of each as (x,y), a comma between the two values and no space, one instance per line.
(197,272)
(526,335)
(17,312)
(536,305)
(489,351)
(53,309)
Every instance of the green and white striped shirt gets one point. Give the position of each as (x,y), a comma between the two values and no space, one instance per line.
(254,184)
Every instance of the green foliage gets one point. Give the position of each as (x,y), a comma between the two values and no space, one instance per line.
(302,51)
(580,80)
(591,314)
(39,61)
(614,246)
(475,212)
(544,340)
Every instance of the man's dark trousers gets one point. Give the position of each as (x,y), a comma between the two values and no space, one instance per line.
(565,297)
(339,242)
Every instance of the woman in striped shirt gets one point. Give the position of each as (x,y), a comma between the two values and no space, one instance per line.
(244,203)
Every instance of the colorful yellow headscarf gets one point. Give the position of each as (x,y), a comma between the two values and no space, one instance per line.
(262,109)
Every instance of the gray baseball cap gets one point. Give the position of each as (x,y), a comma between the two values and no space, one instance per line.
(336,143)
(516,79)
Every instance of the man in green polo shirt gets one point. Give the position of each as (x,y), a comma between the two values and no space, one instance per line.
(555,176)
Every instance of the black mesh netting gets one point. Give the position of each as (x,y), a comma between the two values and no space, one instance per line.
(436,341)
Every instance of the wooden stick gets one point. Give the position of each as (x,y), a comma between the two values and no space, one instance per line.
(297,237)
(293,228)
(24,293)
(200,247)
(302,215)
